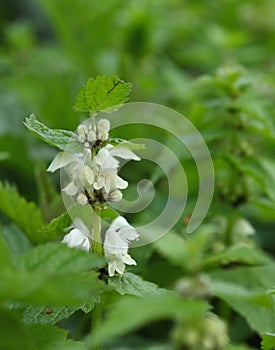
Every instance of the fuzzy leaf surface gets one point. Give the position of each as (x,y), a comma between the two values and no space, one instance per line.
(103,93)
(54,137)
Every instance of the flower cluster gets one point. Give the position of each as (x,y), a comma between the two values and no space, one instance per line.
(94,180)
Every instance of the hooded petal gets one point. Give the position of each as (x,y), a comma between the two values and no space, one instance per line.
(76,239)
(123,152)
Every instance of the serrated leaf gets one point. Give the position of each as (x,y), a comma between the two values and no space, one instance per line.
(55,229)
(57,258)
(103,93)
(51,274)
(268,342)
(54,137)
(130,313)
(130,283)
(52,314)
(26,215)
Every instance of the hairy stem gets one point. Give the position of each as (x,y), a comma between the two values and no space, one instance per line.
(97,245)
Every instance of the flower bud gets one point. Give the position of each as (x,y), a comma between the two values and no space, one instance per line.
(82,199)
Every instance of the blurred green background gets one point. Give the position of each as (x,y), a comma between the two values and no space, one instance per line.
(170,50)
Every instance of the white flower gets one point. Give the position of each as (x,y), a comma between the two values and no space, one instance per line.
(116,244)
(106,166)
(78,167)
(78,236)
(76,239)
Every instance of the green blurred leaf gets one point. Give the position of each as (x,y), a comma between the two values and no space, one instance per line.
(130,283)
(4,156)
(54,137)
(17,242)
(57,258)
(173,247)
(103,93)
(268,342)
(240,253)
(10,323)
(55,229)
(244,290)
(48,337)
(131,313)
(51,274)
(26,215)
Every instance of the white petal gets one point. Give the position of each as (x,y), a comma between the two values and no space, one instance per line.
(127,259)
(114,244)
(128,233)
(60,160)
(76,239)
(120,266)
(105,160)
(88,174)
(119,222)
(114,196)
(120,183)
(110,180)
(111,268)
(71,189)
(123,152)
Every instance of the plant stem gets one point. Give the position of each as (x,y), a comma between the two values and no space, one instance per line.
(96,322)
(92,115)
(97,245)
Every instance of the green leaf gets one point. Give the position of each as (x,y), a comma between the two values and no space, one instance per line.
(244,290)
(4,156)
(10,323)
(173,248)
(108,213)
(103,93)
(238,347)
(47,337)
(268,342)
(130,283)
(55,229)
(130,313)
(53,314)
(130,145)
(51,274)
(238,254)
(17,242)
(57,258)
(26,215)
(54,137)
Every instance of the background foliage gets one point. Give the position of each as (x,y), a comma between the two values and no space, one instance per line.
(213,63)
